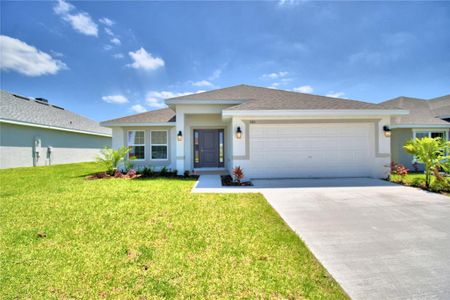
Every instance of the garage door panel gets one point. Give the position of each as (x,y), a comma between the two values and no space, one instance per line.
(310,150)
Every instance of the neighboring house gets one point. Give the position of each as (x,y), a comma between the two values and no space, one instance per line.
(36,133)
(269,133)
(426,118)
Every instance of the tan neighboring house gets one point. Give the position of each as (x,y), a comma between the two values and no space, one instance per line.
(269,133)
(426,118)
(33,132)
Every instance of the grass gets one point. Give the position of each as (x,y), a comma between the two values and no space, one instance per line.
(147,239)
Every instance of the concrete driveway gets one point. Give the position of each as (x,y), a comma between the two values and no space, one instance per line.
(378,240)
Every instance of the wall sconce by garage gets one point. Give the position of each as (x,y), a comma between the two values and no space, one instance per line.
(180,136)
(387,131)
(238,132)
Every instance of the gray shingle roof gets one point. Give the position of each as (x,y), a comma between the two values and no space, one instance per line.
(421,111)
(23,109)
(164,115)
(441,105)
(259,98)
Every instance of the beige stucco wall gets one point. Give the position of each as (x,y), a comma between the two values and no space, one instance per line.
(398,138)
(120,139)
(17,146)
(205,121)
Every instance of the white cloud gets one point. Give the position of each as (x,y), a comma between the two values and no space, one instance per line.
(289,2)
(118,55)
(155,99)
(109,31)
(80,21)
(144,60)
(62,7)
(18,56)
(202,83)
(107,47)
(137,108)
(304,89)
(275,75)
(115,99)
(215,75)
(335,94)
(106,21)
(116,41)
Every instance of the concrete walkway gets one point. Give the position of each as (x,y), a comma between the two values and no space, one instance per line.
(377,239)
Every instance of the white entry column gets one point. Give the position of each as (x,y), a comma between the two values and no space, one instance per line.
(180,144)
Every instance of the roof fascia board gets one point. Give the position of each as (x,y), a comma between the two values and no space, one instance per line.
(422,126)
(315,112)
(52,127)
(126,124)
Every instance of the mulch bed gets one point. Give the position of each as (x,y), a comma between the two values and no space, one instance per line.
(133,175)
(227,180)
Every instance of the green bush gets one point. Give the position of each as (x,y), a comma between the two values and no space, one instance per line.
(111,158)
(440,186)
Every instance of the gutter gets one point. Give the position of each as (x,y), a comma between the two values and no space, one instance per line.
(127,124)
(313,112)
(52,127)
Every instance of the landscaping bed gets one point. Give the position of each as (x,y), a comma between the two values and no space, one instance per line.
(227,180)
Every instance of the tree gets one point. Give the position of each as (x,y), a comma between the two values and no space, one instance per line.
(111,158)
(429,151)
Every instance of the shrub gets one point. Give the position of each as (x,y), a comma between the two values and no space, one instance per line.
(429,151)
(148,172)
(163,172)
(128,163)
(186,173)
(440,186)
(238,174)
(131,173)
(111,158)
(418,182)
(118,174)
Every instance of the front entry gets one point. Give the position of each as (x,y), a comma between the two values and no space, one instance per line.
(208,148)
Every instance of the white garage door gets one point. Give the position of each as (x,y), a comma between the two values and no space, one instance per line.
(311,150)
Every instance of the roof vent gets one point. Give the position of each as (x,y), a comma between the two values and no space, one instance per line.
(42,100)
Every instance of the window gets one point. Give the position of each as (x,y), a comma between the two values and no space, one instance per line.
(432,134)
(136,143)
(159,145)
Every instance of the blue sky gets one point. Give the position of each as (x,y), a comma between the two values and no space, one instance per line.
(109,59)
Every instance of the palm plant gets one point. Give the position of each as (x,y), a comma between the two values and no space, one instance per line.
(111,158)
(432,152)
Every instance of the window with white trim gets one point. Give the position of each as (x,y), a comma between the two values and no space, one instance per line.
(136,143)
(430,133)
(159,144)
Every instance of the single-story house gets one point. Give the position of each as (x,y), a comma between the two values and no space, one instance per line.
(426,118)
(34,132)
(269,133)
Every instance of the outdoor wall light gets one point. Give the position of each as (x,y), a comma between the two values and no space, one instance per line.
(180,136)
(387,131)
(238,132)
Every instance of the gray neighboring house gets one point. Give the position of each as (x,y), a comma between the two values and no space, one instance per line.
(34,132)
(426,118)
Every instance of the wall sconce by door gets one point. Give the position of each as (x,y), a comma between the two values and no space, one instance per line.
(387,131)
(238,132)
(180,136)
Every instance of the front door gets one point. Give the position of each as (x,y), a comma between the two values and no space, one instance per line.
(208,148)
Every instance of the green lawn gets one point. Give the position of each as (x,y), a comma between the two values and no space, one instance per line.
(117,238)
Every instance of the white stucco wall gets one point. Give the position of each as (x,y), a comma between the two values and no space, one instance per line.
(17,146)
